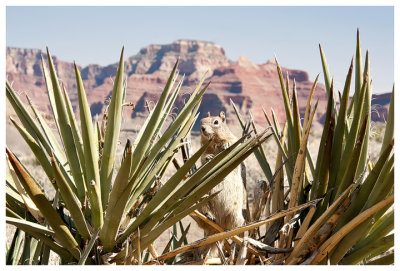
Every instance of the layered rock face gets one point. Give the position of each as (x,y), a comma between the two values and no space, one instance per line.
(250,86)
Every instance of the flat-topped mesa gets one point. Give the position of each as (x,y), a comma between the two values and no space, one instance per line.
(183,46)
(196,58)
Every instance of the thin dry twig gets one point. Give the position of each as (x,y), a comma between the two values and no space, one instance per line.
(242,259)
(228,234)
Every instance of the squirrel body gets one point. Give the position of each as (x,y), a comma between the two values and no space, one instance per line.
(226,207)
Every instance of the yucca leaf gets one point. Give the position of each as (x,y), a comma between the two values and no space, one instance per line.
(323,177)
(174,233)
(384,227)
(152,123)
(166,110)
(167,189)
(165,157)
(36,150)
(327,78)
(75,132)
(168,246)
(148,239)
(179,242)
(339,135)
(308,104)
(26,200)
(384,260)
(123,199)
(89,247)
(366,187)
(184,232)
(62,233)
(383,184)
(114,215)
(351,226)
(66,133)
(239,117)
(366,111)
(277,136)
(352,238)
(13,209)
(389,128)
(13,252)
(50,92)
(28,226)
(299,165)
(289,116)
(122,178)
(303,246)
(275,120)
(277,198)
(26,251)
(25,118)
(324,152)
(350,172)
(13,213)
(58,152)
(70,201)
(358,76)
(296,120)
(179,121)
(37,253)
(91,153)
(112,134)
(381,227)
(259,154)
(351,140)
(375,248)
(276,133)
(54,246)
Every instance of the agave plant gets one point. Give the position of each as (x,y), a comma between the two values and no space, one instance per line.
(98,217)
(353,222)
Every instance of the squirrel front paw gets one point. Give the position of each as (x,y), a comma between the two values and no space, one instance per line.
(226,145)
(209,157)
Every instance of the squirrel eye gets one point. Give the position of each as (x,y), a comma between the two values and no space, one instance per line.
(216,122)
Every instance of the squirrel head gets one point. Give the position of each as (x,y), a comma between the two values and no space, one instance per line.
(214,127)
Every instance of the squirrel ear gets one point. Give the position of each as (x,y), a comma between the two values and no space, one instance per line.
(208,114)
(222,116)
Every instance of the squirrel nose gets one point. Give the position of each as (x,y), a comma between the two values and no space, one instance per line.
(203,128)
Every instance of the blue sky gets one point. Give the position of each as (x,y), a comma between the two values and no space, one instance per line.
(96,34)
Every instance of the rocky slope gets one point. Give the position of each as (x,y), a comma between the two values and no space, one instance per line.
(250,86)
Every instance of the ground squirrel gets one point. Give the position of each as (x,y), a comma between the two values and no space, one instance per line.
(226,207)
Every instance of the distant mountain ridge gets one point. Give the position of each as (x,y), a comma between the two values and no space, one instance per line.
(251,86)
